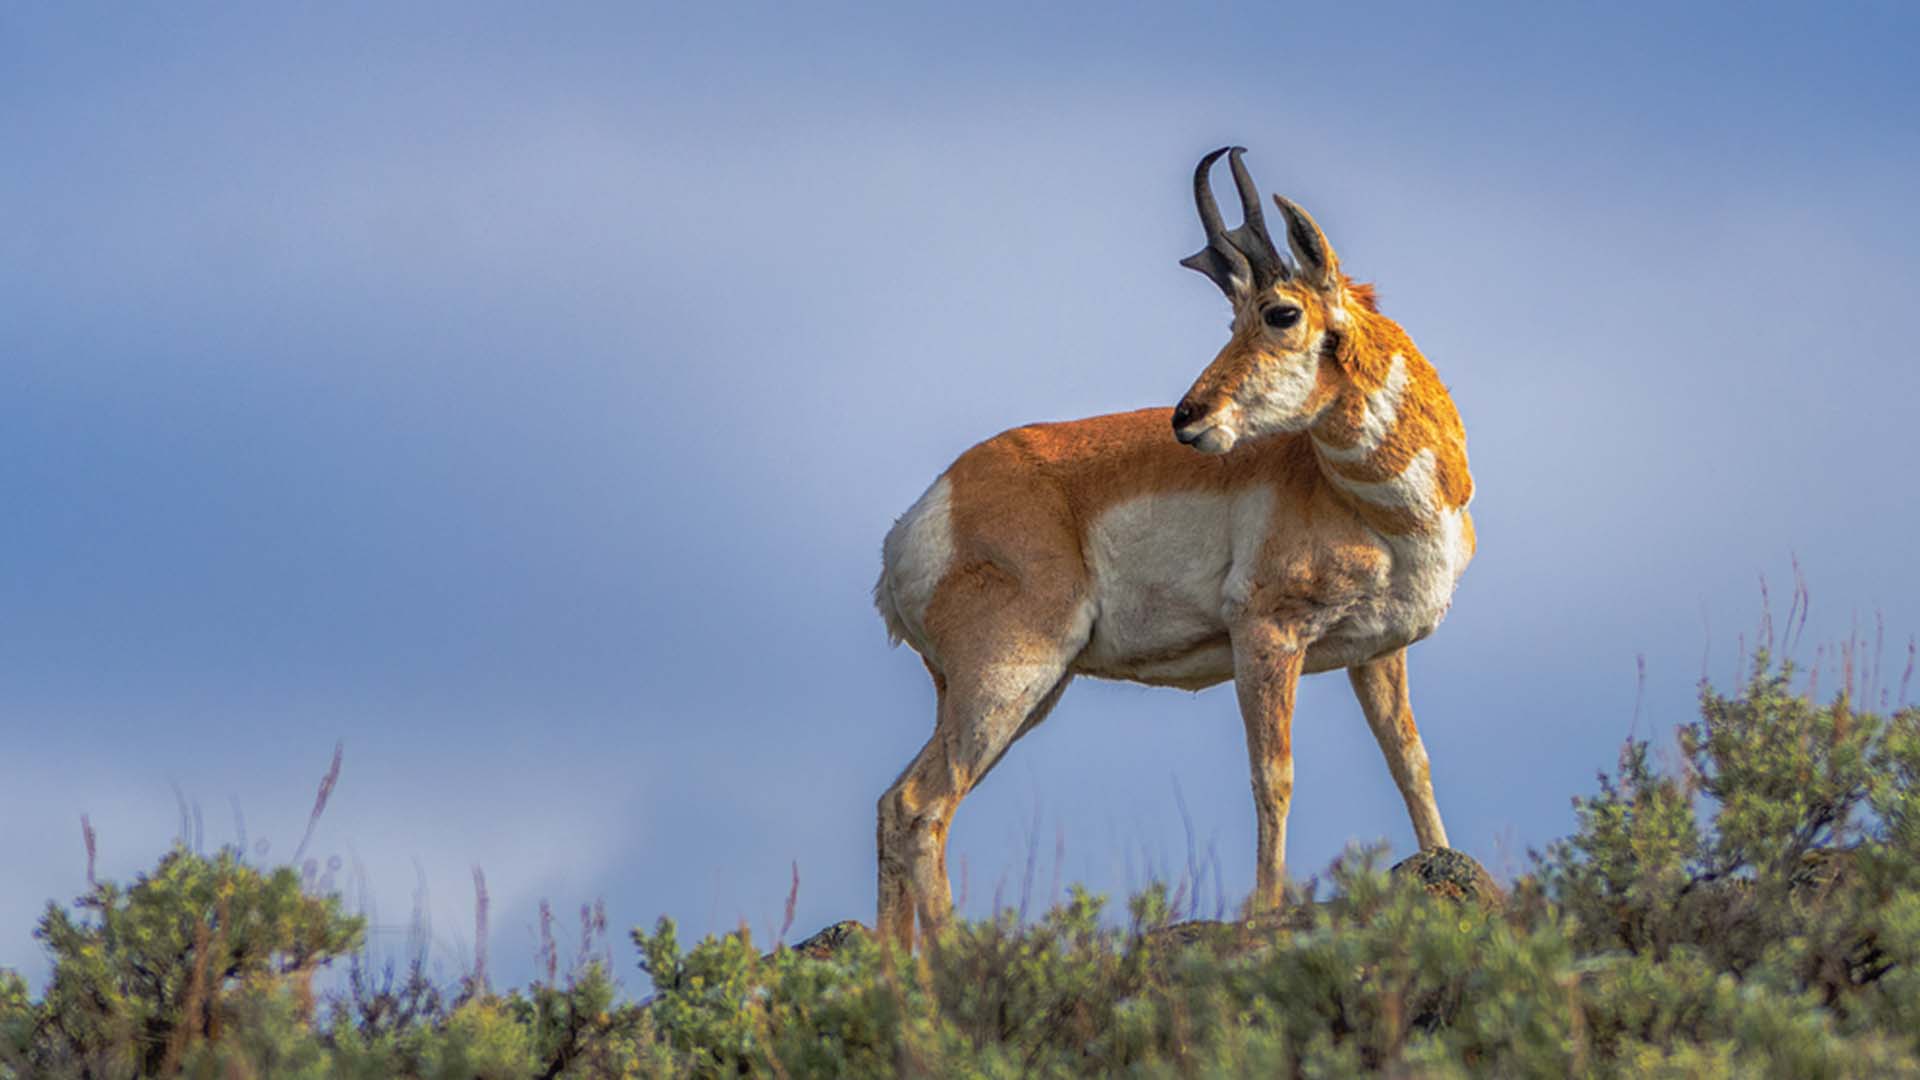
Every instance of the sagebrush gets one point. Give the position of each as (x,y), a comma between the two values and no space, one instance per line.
(1753,909)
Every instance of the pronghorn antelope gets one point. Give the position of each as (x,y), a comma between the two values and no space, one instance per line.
(1321,524)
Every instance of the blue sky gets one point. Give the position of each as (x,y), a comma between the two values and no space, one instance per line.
(520,398)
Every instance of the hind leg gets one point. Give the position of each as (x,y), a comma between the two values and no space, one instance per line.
(984,707)
(895,920)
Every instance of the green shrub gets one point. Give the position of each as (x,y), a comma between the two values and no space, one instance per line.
(1752,909)
(141,974)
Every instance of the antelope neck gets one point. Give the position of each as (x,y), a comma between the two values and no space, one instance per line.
(1395,453)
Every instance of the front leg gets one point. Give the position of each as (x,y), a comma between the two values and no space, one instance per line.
(1381,686)
(1266,671)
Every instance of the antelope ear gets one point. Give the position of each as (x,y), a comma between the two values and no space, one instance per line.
(1318,264)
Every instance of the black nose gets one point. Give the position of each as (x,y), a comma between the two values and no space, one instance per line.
(1183,415)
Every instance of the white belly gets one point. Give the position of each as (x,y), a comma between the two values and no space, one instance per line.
(1169,569)
(1166,568)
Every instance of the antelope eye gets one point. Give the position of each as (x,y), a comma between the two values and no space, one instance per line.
(1281,317)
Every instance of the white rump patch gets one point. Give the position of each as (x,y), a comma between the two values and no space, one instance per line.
(914,558)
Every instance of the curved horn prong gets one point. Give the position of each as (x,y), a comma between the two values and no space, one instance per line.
(1252,237)
(1223,262)
(1203,194)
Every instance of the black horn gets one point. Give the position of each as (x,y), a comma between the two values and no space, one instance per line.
(1237,260)
(1251,237)
(1223,263)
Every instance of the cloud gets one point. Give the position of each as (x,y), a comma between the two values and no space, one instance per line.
(526,405)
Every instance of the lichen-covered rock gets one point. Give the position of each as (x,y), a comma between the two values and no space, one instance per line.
(825,943)
(1442,872)
(1232,937)
(1452,874)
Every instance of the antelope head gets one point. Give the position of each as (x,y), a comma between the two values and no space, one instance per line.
(1279,370)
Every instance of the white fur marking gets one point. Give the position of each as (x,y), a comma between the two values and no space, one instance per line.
(1426,569)
(1418,590)
(1166,569)
(1217,439)
(913,559)
(1252,523)
(1416,488)
(1382,413)
(1273,397)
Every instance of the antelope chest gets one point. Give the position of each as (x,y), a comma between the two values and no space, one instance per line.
(1407,601)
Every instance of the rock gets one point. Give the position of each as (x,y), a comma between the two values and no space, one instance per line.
(823,944)
(1453,875)
(1230,938)
(1441,871)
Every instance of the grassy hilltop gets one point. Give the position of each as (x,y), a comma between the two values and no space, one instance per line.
(1751,908)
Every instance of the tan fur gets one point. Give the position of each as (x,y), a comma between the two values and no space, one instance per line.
(1381,686)
(1335,579)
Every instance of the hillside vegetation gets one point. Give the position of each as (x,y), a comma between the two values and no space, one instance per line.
(1749,908)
